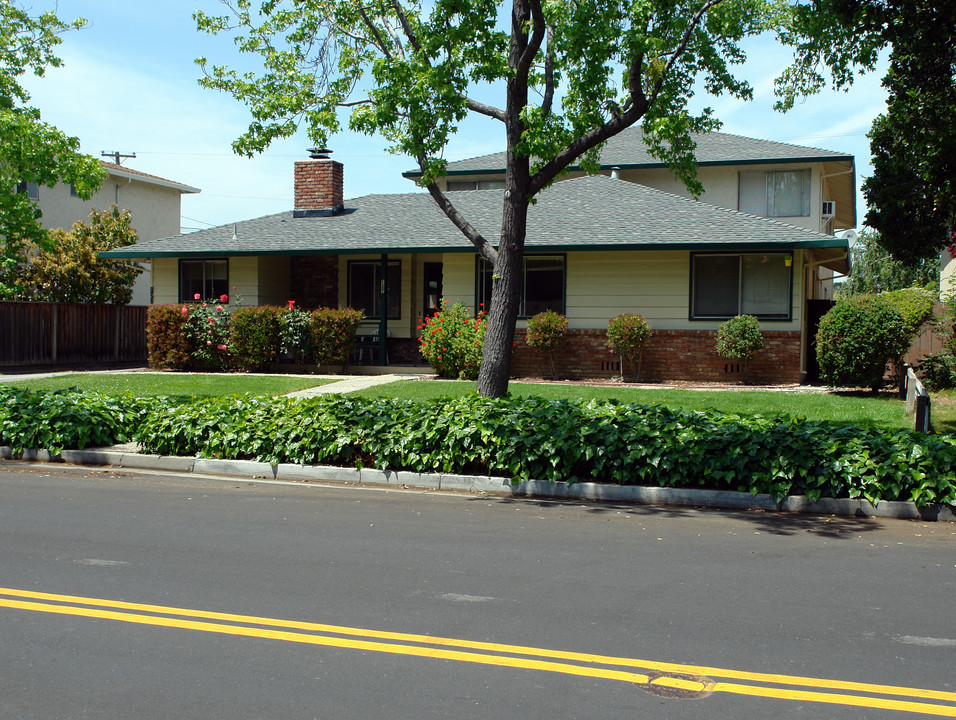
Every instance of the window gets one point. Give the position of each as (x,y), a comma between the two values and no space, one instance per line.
(208,279)
(723,286)
(365,288)
(777,193)
(31,190)
(542,286)
(476,185)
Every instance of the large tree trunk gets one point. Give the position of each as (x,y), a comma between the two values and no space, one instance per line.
(507,278)
(505,302)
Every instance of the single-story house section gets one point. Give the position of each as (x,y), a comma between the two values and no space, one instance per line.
(596,247)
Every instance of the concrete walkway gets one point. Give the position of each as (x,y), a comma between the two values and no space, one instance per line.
(348,384)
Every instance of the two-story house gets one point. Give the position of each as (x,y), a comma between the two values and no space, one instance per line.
(154,203)
(629,240)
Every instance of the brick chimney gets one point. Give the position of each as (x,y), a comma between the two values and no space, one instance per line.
(318,185)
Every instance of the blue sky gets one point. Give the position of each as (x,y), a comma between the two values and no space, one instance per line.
(129,83)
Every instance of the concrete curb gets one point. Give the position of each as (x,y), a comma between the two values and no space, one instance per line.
(599,492)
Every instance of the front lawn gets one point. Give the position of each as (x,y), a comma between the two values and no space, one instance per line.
(181,385)
(884,410)
(943,411)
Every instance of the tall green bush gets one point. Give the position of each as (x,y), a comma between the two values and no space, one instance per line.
(628,335)
(915,304)
(739,339)
(546,331)
(294,333)
(452,341)
(332,332)
(254,337)
(857,338)
(166,341)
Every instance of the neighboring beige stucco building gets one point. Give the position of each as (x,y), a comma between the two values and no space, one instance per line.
(154,203)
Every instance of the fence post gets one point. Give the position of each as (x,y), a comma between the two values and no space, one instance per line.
(55,329)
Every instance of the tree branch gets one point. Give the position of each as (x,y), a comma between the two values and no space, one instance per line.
(548,100)
(379,40)
(483,109)
(485,248)
(681,47)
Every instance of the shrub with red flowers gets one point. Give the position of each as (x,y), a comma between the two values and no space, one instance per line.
(294,333)
(452,340)
(546,331)
(207,327)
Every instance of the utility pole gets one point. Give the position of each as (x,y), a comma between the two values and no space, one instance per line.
(117,155)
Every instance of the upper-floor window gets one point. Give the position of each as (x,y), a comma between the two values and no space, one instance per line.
(476,184)
(775,193)
(542,286)
(31,190)
(203,280)
(365,288)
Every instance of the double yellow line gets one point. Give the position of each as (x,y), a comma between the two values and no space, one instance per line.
(671,679)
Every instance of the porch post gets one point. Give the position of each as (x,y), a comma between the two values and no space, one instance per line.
(383,315)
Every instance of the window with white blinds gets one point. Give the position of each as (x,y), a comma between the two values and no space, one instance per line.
(774,193)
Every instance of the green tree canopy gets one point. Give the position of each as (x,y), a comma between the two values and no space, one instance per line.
(567,75)
(70,271)
(912,192)
(874,270)
(31,151)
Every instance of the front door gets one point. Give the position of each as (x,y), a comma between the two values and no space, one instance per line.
(432,273)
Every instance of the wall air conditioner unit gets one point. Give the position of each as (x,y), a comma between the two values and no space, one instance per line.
(829,209)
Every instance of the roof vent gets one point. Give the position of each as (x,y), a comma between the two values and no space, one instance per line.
(319,153)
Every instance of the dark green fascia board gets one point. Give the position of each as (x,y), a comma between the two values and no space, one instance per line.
(414,174)
(836,243)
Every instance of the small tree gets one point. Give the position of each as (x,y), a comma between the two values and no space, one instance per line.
(739,339)
(546,331)
(70,271)
(857,338)
(628,335)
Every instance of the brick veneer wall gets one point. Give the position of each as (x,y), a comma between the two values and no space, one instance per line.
(672,355)
(314,281)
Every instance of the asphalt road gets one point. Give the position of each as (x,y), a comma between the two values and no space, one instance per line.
(130,595)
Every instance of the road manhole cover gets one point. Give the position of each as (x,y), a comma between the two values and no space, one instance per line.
(678,685)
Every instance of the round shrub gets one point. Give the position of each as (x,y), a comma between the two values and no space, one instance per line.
(546,331)
(857,338)
(628,335)
(739,338)
(452,341)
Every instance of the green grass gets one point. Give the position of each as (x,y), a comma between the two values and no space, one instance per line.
(884,410)
(173,384)
(943,411)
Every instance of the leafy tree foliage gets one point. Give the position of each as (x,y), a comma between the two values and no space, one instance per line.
(568,75)
(31,151)
(70,271)
(912,191)
(874,270)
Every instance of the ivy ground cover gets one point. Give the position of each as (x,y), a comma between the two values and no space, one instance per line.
(522,438)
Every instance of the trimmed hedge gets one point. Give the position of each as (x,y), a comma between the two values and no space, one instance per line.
(254,337)
(523,438)
(166,339)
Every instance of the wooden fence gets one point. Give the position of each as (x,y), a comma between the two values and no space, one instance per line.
(58,334)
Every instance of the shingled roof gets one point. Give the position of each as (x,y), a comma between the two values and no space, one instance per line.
(586,213)
(627,150)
